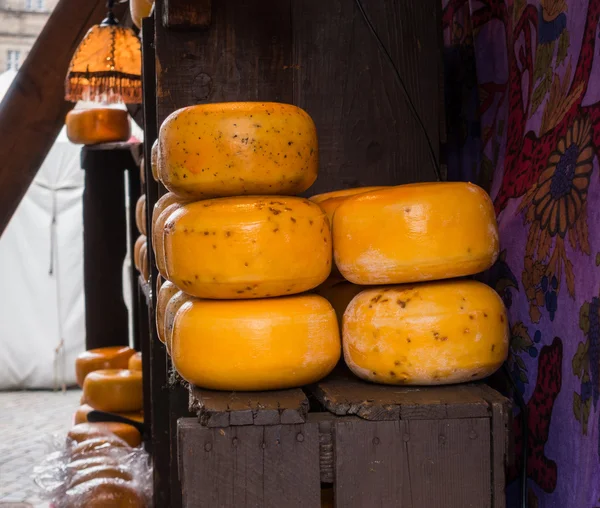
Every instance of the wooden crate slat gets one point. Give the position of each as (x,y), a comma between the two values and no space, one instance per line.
(244,466)
(222,409)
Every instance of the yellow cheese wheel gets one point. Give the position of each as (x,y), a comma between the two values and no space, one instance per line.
(141,240)
(339,296)
(173,306)
(154,160)
(142,172)
(232,149)
(248,247)
(85,431)
(415,232)
(343,193)
(114,390)
(255,344)
(98,125)
(113,357)
(75,466)
(143,266)
(81,415)
(135,362)
(159,282)
(140,214)
(140,9)
(103,493)
(97,446)
(163,208)
(426,334)
(165,294)
(100,471)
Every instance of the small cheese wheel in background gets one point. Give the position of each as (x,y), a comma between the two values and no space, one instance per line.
(85,431)
(415,232)
(233,149)
(142,172)
(103,493)
(140,214)
(343,193)
(140,9)
(75,466)
(114,390)
(113,357)
(144,266)
(426,334)
(265,344)
(137,247)
(100,471)
(339,296)
(249,247)
(135,362)
(165,294)
(96,446)
(81,415)
(154,160)
(98,125)
(173,306)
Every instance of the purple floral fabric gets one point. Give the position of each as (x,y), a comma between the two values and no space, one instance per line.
(523,108)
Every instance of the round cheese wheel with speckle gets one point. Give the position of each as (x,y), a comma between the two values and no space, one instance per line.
(81,415)
(140,214)
(415,232)
(85,431)
(232,149)
(176,301)
(263,344)
(426,334)
(100,471)
(154,160)
(103,493)
(135,362)
(166,292)
(97,125)
(249,247)
(114,390)
(343,193)
(113,357)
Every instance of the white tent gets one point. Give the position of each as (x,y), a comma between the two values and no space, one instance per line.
(42,321)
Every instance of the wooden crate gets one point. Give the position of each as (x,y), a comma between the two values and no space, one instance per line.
(377,445)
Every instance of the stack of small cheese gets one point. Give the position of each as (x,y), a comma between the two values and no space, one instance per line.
(416,332)
(140,250)
(233,246)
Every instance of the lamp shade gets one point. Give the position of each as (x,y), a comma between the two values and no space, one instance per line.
(106,67)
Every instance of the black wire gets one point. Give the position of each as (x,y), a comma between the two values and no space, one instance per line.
(411,105)
(524,433)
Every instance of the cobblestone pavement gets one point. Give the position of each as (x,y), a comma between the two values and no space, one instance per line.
(27,420)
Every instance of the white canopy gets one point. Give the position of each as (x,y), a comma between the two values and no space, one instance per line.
(42,320)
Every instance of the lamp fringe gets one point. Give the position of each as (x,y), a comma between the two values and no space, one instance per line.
(104,89)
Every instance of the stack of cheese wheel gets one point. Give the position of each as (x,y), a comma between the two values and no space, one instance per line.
(417,323)
(140,250)
(236,248)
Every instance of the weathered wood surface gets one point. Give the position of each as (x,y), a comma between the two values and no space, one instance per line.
(249,466)
(187,14)
(224,409)
(322,57)
(344,394)
(33,110)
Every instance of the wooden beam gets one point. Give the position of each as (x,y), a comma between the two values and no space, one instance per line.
(187,14)
(33,110)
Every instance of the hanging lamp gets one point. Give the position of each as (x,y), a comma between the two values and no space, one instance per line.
(107,65)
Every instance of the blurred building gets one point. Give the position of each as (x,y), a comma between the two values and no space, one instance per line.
(21,21)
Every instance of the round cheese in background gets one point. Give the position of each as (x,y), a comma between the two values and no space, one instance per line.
(166,202)
(255,344)
(114,390)
(154,160)
(238,148)
(173,306)
(103,493)
(140,214)
(97,125)
(142,172)
(426,334)
(100,471)
(113,357)
(415,232)
(144,268)
(135,362)
(137,247)
(166,292)
(85,431)
(140,9)
(248,247)
(97,446)
(81,415)
(75,466)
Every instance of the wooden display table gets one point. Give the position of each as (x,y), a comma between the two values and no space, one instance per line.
(378,446)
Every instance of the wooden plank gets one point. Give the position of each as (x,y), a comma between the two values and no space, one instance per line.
(367,135)
(449,462)
(187,14)
(144,345)
(33,110)
(243,56)
(222,409)
(249,466)
(370,464)
(344,394)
